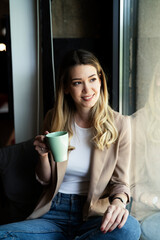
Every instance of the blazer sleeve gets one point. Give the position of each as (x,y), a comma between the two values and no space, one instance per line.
(119,182)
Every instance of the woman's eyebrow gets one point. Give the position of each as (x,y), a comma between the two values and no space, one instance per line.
(92,75)
(76,79)
(73,79)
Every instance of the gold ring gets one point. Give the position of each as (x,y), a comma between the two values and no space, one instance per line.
(108,211)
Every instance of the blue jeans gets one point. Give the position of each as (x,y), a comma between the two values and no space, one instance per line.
(151,227)
(64,221)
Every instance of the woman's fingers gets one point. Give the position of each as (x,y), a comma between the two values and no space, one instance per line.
(120,220)
(115,216)
(107,219)
(42,148)
(46,132)
(124,219)
(40,144)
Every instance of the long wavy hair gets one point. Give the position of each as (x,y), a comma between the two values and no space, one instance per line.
(101,118)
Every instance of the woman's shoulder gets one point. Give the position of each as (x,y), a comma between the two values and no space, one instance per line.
(141,115)
(121,121)
(120,117)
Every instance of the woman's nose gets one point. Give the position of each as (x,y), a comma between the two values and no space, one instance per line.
(85,87)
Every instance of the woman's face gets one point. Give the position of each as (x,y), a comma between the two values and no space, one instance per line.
(84,86)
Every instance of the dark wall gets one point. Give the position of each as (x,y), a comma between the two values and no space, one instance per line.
(94,27)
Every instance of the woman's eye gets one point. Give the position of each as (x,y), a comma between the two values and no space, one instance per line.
(93,79)
(76,83)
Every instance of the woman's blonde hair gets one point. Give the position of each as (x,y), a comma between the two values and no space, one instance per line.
(102,119)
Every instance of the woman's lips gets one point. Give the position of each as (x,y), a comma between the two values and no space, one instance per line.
(87,98)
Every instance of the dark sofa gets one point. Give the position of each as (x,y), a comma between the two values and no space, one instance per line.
(19,189)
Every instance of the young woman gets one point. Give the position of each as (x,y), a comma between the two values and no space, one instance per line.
(85,196)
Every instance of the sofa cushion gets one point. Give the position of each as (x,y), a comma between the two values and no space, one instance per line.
(20,190)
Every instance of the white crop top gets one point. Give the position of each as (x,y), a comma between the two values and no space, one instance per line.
(76,179)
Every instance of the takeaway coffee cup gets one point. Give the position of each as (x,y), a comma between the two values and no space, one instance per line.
(58,144)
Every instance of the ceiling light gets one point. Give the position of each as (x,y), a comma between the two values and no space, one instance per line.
(2,47)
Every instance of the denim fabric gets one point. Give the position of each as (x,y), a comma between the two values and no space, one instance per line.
(151,227)
(64,221)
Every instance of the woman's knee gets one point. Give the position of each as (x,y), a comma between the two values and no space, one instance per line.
(131,230)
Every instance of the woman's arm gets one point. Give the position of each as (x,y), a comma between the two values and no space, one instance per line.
(116,214)
(43,168)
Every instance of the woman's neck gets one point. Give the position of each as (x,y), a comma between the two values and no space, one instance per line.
(83,119)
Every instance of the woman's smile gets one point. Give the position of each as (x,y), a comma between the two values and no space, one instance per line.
(88,98)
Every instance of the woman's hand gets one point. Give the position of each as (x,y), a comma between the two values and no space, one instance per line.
(43,169)
(115,216)
(40,145)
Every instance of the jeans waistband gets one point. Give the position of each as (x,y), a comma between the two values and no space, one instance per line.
(71,196)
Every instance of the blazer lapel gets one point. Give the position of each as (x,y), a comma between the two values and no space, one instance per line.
(61,169)
(97,163)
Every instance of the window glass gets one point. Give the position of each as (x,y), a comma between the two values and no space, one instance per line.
(145,120)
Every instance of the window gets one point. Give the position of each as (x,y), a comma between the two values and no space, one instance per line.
(140,98)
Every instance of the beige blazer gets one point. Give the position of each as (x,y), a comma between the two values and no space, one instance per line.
(109,173)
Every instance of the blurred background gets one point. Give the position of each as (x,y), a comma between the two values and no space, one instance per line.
(34,35)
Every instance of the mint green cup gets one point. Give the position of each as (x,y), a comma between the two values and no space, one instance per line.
(58,144)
